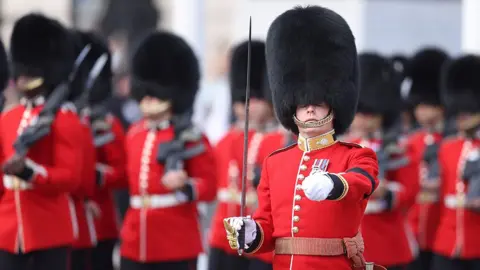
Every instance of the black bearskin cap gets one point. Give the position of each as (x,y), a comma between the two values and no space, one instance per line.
(461,85)
(424,72)
(238,71)
(165,66)
(4,68)
(379,87)
(311,59)
(102,88)
(41,47)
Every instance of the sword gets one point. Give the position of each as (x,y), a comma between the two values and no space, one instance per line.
(241,233)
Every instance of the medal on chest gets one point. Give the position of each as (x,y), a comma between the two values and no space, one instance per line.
(319,165)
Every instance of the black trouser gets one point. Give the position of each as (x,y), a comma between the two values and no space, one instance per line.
(422,262)
(102,255)
(401,267)
(219,260)
(127,264)
(47,259)
(445,263)
(81,259)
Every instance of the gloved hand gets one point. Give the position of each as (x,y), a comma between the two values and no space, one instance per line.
(317,186)
(234,224)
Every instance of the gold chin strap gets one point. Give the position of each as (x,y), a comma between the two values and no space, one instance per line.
(313,124)
(153,108)
(32,84)
(317,142)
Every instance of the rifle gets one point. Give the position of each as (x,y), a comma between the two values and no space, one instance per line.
(390,155)
(41,126)
(471,171)
(174,153)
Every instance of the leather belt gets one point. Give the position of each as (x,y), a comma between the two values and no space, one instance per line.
(14,183)
(155,201)
(351,247)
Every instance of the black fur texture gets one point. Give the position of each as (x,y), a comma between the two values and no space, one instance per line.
(165,66)
(4,68)
(311,59)
(102,89)
(238,71)
(461,85)
(41,47)
(425,71)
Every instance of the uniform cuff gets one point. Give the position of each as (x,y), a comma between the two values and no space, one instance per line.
(257,242)
(340,187)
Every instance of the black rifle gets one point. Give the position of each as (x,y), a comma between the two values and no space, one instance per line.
(41,127)
(173,154)
(390,155)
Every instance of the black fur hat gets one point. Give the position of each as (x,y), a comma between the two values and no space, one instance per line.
(379,87)
(41,47)
(424,72)
(311,59)
(238,71)
(102,88)
(165,66)
(4,68)
(461,85)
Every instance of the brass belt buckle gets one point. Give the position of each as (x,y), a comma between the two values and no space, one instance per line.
(145,201)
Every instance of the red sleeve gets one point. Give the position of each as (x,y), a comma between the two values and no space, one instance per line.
(263,216)
(201,169)
(65,173)
(359,180)
(112,171)
(409,178)
(88,184)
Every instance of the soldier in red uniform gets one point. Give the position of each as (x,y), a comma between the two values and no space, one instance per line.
(4,79)
(110,154)
(230,157)
(312,195)
(388,239)
(424,97)
(456,241)
(170,165)
(36,211)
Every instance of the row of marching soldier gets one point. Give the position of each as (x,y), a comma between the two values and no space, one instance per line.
(63,153)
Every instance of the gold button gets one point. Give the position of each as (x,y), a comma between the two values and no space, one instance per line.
(306,158)
(301,176)
(298,197)
(295,229)
(299,187)
(296,208)
(296,218)
(303,167)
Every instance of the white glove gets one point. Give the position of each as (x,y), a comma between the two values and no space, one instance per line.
(318,186)
(234,224)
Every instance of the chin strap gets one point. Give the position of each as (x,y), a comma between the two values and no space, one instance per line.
(314,123)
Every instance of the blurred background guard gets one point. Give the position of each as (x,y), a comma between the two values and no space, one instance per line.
(80,258)
(230,156)
(424,98)
(4,82)
(456,243)
(170,165)
(38,222)
(387,236)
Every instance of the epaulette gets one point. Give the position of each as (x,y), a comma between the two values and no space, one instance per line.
(283,149)
(356,145)
(68,107)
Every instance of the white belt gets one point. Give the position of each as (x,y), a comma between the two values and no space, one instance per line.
(231,196)
(425,196)
(155,201)
(14,183)
(453,202)
(375,206)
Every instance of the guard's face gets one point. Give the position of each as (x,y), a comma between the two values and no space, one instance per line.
(260,111)
(312,112)
(428,115)
(26,84)
(467,121)
(154,107)
(365,123)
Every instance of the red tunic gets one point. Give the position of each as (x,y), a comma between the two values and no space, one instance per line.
(87,237)
(111,162)
(387,234)
(458,231)
(39,215)
(284,211)
(158,226)
(423,216)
